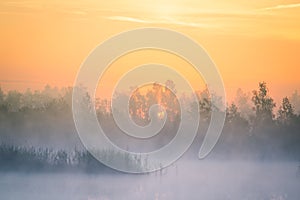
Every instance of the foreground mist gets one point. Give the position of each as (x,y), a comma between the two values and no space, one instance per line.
(184,180)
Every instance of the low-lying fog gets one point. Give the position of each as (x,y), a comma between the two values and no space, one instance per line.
(200,179)
(257,156)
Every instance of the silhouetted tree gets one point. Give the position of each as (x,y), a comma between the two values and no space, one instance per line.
(295,101)
(232,112)
(205,104)
(13,100)
(2,95)
(264,105)
(234,118)
(286,112)
(3,107)
(170,84)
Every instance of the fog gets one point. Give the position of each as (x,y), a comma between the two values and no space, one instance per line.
(183,180)
(42,157)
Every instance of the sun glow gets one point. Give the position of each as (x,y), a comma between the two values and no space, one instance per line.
(166,10)
(44,42)
(161,115)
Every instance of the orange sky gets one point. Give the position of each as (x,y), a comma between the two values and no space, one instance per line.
(44,42)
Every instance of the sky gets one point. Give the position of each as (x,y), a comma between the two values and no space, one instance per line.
(45,42)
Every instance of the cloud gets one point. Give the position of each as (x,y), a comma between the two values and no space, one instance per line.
(161,20)
(282,6)
(127,19)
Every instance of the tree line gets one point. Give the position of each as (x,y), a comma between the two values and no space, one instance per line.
(33,123)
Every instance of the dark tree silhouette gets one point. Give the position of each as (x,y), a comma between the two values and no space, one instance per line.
(205,104)
(286,112)
(264,105)
(1,96)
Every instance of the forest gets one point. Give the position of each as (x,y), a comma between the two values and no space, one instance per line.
(37,131)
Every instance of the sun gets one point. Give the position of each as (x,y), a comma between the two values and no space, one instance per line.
(161,115)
